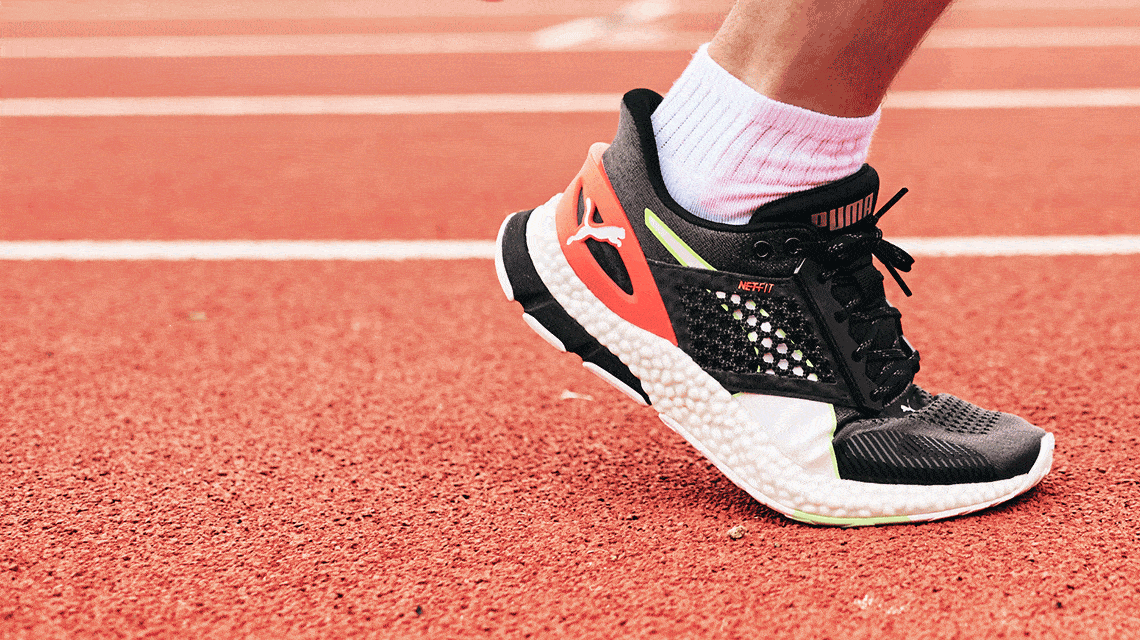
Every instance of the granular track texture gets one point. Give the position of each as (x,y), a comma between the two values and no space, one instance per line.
(343,450)
(307,450)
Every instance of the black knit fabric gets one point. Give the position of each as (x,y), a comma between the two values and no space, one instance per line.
(732,332)
(958,416)
(894,457)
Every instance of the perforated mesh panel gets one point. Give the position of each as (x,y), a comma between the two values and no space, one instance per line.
(737,333)
(959,416)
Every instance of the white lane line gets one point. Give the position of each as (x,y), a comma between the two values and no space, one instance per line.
(587,34)
(1013,98)
(265,45)
(509,103)
(82,250)
(570,36)
(311,105)
(582,30)
(646,38)
(247,250)
(1015,5)
(1005,37)
(1021,245)
(75,10)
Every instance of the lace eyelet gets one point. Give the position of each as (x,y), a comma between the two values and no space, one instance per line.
(762,249)
(840,316)
(856,357)
(793,246)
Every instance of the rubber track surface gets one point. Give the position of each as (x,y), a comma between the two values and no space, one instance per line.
(987,172)
(341,449)
(332,449)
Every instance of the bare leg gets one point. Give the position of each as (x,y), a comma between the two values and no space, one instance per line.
(830,56)
(785,98)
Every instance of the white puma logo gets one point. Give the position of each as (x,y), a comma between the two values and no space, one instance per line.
(906,408)
(610,234)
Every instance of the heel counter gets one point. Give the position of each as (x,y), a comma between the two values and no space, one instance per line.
(592,194)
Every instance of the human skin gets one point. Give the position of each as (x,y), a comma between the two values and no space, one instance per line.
(836,57)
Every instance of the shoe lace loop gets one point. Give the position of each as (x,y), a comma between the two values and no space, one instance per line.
(865,236)
(844,259)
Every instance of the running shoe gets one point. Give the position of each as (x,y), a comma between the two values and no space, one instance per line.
(770,347)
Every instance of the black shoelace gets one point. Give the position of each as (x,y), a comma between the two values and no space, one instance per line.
(846,261)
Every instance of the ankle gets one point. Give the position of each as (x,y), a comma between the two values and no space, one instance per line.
(726,149)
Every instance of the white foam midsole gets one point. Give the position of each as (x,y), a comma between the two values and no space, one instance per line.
(778,450)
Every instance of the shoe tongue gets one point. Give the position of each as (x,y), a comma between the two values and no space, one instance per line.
(913,399)
(832,206)
(865,285)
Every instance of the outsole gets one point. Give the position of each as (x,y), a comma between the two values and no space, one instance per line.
(695,406)
(521,283)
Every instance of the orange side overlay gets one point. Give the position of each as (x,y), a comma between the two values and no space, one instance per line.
(644,306)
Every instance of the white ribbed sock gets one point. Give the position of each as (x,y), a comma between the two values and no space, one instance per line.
(726,149)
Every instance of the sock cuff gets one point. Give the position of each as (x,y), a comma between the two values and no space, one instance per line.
(726,149)
(705,80)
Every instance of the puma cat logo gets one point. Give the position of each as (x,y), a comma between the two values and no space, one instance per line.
(609,234)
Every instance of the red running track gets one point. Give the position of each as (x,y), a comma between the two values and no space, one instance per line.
(574,72)
(330,449)
(338,446)
(998,172)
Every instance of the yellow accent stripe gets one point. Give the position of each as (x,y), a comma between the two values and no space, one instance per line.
(675,245)
(848,522)
(831,449)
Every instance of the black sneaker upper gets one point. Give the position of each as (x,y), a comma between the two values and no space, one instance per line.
(794,306)
(826,295)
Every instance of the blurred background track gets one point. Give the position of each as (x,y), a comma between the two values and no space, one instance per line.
(327,449)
